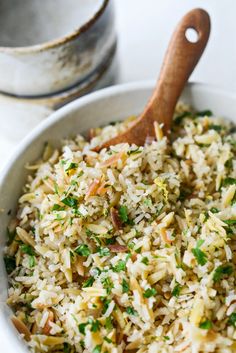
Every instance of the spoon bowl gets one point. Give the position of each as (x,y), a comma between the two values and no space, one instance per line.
(182,56)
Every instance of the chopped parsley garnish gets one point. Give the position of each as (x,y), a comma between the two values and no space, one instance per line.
(217,128)
(230,222)
(199,255)
(108,323)
(206,325)
(57,207)
(228,181)
(82,327)
(221,271)
(10,263)
(70,201)
(56,188)
(82,344)
(145,260)
(103,252)
(27,249)
(120,266)
(123,214)
(138,251)
(32,261)
(184,193)
(150,292)
(176,290)
(83,250)
(89,282)
(166,338)
(107,284)
(131,311)
(204,113)
(97,349)
(125,286)
(232,319)
(180,117)
(147,202)
(108,340)
(214,210)
(229,163)
(95,325)
(135,151)
(66,347)
(106,303)
(131,245)
(72,166)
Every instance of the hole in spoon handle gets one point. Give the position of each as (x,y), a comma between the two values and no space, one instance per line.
(180,60)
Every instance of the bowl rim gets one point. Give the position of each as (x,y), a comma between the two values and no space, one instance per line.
(90,98)
(61,114)
(60,40)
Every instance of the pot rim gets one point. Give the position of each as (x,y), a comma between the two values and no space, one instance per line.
(58,41)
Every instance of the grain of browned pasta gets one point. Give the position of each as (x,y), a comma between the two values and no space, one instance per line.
(130,249)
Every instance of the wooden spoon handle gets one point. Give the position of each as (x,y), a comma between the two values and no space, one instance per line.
(180,60)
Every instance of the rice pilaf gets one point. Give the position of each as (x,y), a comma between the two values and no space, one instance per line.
(131,249)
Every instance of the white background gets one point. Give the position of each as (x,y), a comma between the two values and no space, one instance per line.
(145,27)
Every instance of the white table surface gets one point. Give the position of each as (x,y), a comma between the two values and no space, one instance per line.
(144,28)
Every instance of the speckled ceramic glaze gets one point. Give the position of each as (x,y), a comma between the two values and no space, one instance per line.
(51,46)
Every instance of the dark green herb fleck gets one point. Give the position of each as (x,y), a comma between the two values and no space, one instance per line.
(72,166)
(120,266)
(179,118)
(97,349)
(135,151)
(57,207)
(204,113)
(66,347)
(166,338)
(150,292)
(27,249)
(199,255)
(176,290)
(230,222)
(107,284)
(70,201)
(131,311)
(217,128)
(32,261)
(10,263)
(95,325)
(89,282)
(228,181)
(214,210)
(103,252)
(108,323)
(125,286)
(222,271)
(206,325)
(232,319)
(123,213)
(83,250)
(145,260)
(82,327)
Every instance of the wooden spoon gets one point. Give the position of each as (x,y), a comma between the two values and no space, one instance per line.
(181,58)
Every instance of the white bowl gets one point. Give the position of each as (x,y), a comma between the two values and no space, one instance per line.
(93,110)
